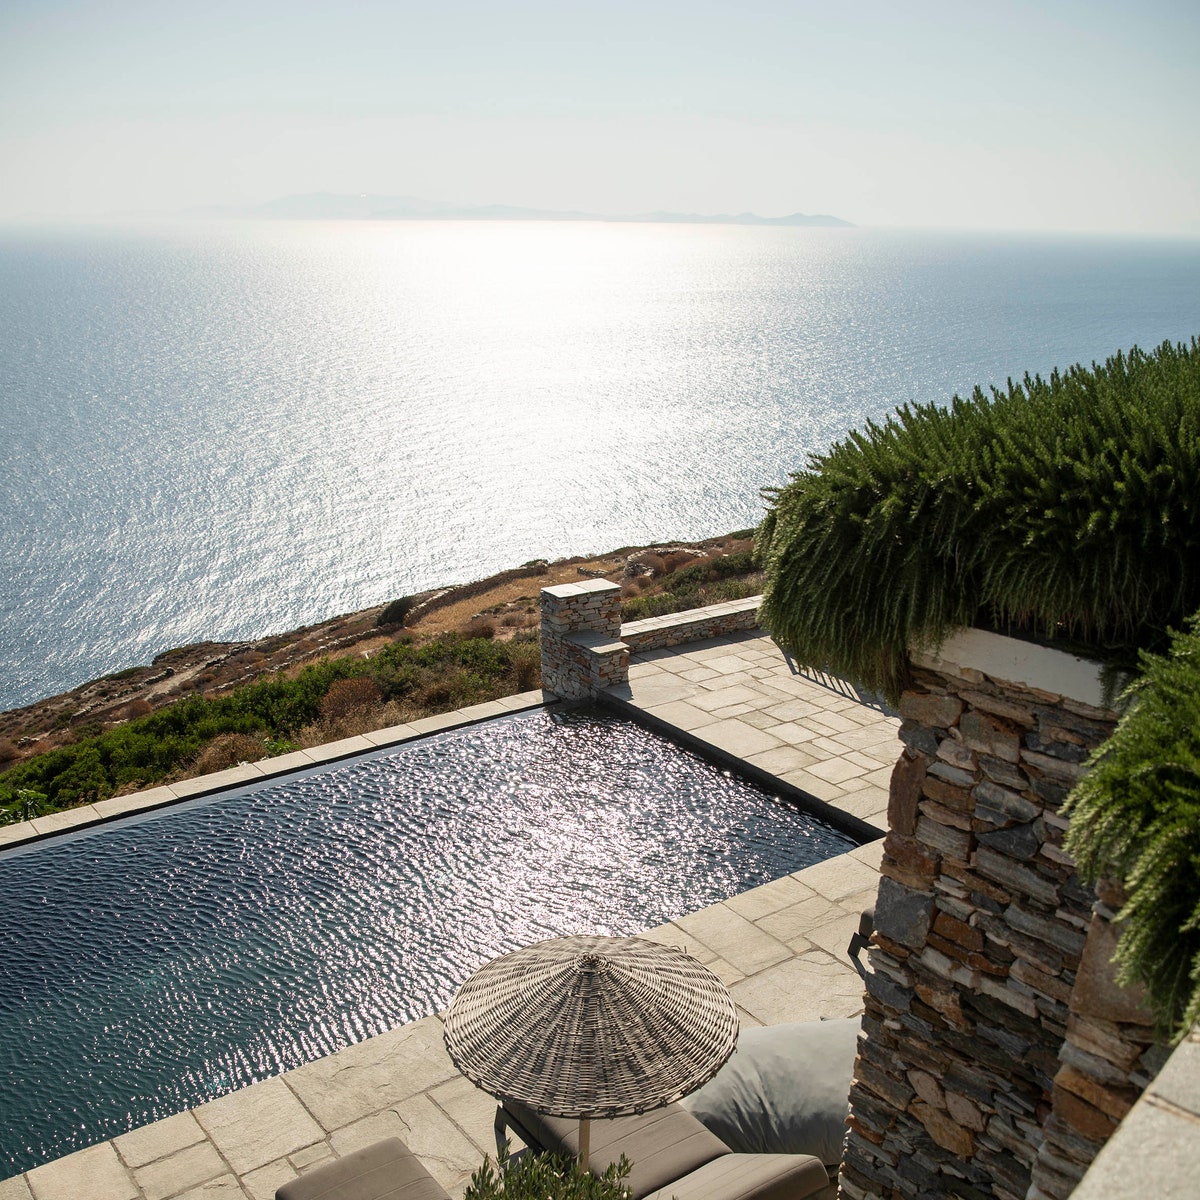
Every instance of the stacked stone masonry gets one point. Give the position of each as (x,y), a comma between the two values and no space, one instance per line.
(676,629)
(585,648)
(997,1054)
(582,651)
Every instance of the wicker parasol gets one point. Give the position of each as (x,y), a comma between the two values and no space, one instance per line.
(591,1027)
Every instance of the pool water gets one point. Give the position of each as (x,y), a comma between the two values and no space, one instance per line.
(152,964)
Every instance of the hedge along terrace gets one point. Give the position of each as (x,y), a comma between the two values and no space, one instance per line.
(330,699)
(1067,509)
(1064,509)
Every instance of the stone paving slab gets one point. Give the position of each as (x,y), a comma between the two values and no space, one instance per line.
(780,948)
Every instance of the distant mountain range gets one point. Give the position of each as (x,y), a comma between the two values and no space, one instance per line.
(330,206)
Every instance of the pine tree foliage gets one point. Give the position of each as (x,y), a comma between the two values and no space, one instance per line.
(1066,507)
(1135,818)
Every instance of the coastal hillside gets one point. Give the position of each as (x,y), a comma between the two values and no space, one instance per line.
(209,705)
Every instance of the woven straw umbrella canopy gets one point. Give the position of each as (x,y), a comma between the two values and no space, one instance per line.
(591,1027)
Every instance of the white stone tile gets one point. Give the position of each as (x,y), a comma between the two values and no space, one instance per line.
(92,1174)
(769,898)
(738,941)
(445,1151)
(362,1079)
(796,924)
(179,1171)
(837,770)
(839,877)
(781,759)
(734,737)
(262,1182)
(675,935)
(135,802)
(343,748)
(243,773)
(471,1109)
(83,814)
(392,736)
(15,1189)
(660,689)
(226,1187)
(870,854)
(712,699)
(834,936)
(523,700)
(158,1139)
(19,831)
(258,1124)
(284,764)
(682,715)
(801,989)
(822,789)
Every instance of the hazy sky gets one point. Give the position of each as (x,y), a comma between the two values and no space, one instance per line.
(1052,115)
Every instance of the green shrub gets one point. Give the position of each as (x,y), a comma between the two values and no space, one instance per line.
(687,579)
(21,805)
(1061,508)
(741,563)
(448,672)
(1135,818)
(396,612)
(546,1177)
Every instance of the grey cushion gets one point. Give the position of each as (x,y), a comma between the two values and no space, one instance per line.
(662,1145)
(786,1090)
(388,1170)
(749,1177)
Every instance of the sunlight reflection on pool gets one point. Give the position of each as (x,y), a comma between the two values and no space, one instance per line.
(156,963)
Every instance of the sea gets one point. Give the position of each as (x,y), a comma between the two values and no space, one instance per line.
(220,431)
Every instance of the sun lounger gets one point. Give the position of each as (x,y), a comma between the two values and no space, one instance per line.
(672,1155)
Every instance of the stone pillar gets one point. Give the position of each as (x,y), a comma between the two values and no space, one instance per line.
(1109,1057)
(582,651)
(981,924)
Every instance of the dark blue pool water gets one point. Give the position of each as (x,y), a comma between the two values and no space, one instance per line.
(150,965)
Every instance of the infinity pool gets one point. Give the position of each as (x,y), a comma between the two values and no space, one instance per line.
(153,964)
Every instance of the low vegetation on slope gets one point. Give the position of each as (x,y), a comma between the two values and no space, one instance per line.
(1063,508)
(330,699)
(209,706)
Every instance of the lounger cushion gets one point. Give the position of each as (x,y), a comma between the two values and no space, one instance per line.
(662,1145)
(785,1090)
(388,1170)
(749,1177)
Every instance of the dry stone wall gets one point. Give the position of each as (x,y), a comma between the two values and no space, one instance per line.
(992,1063)
(582,651)
(676,629)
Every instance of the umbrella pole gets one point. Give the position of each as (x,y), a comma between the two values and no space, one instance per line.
(585,1141)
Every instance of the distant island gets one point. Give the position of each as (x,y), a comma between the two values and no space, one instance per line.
(329,206)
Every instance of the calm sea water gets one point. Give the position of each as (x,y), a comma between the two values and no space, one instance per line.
(220,432)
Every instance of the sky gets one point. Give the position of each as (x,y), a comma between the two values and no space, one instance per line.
(1057,116)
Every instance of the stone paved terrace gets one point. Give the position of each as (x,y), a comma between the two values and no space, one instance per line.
(739,695)
(780,948)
